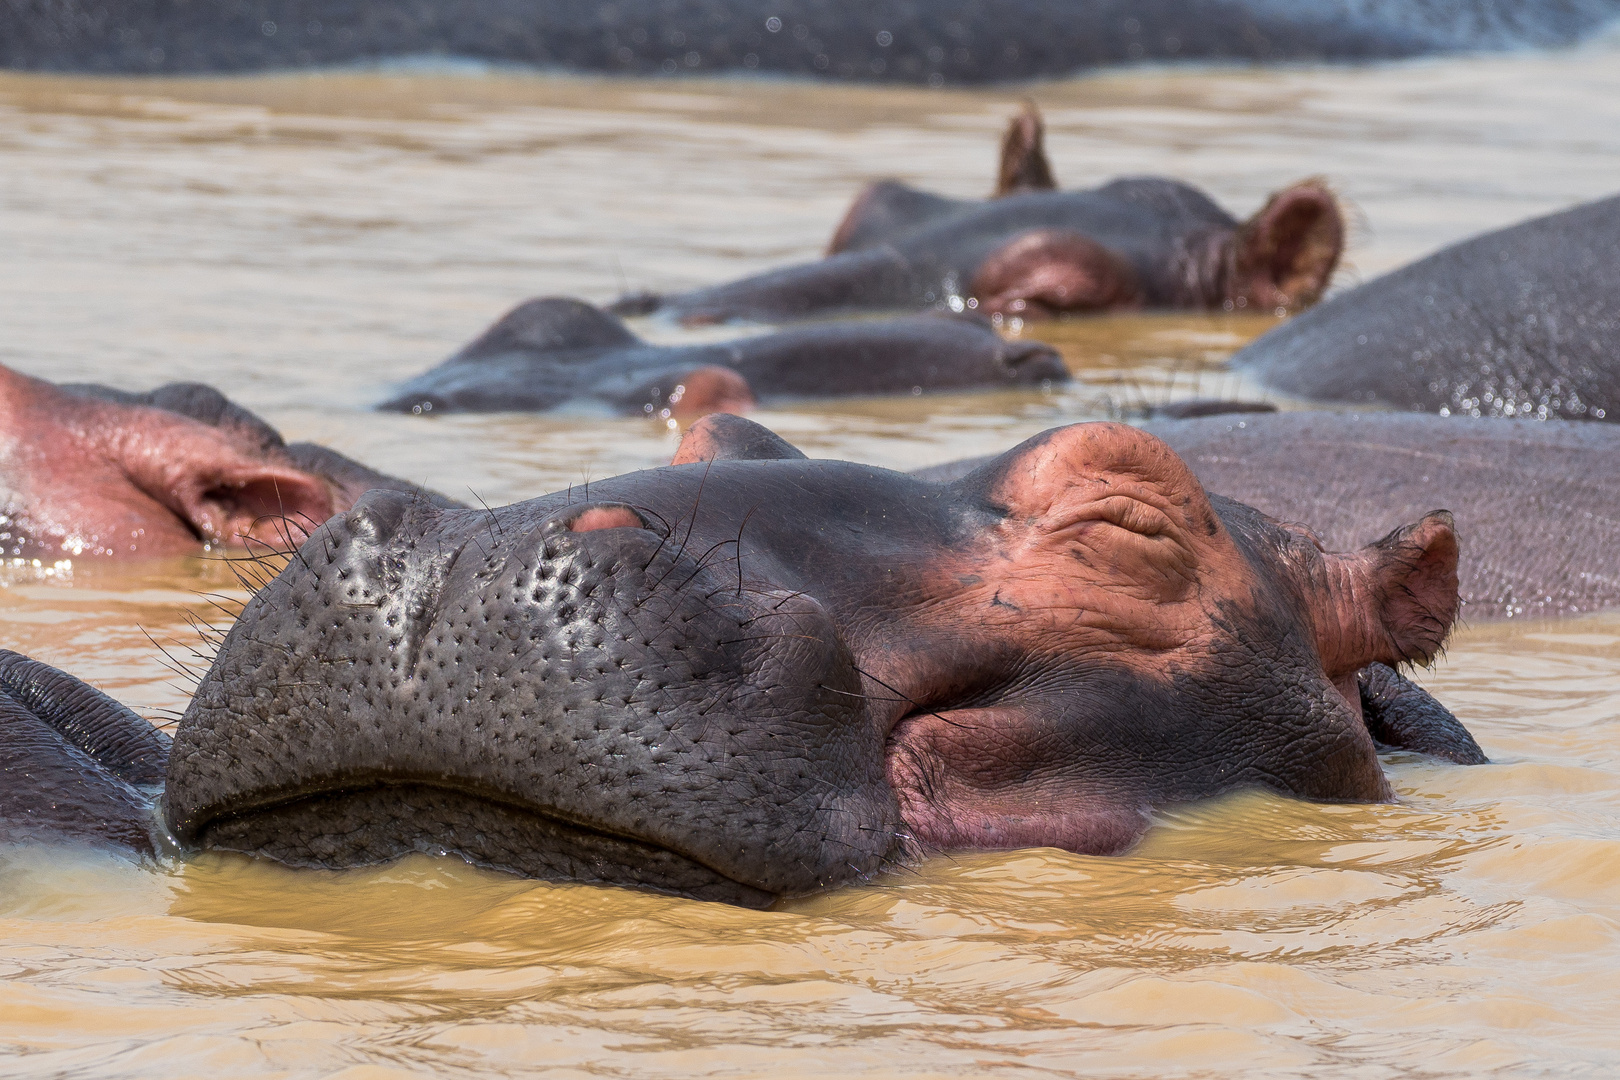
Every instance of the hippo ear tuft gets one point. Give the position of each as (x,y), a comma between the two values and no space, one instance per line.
(1415,577)
(1024,166)
(1286,254)
(724,437)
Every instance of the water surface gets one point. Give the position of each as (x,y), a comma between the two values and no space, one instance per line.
(303,241)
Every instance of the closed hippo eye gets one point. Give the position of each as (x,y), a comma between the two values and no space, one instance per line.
(1105,525)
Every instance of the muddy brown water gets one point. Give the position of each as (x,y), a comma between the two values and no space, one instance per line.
(303,241)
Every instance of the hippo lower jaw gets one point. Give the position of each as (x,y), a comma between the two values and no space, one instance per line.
(368,823)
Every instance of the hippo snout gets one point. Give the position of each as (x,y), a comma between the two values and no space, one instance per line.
(573,694)
(1034,362)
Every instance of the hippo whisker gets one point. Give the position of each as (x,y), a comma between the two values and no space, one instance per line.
(495,524)
(180,668)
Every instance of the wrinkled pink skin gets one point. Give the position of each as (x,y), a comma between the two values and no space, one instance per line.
(82,477)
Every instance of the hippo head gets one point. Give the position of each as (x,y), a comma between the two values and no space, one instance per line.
(749,674)
(90,471)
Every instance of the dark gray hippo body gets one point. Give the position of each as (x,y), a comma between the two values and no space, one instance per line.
(1030,251)
(552,353)
(1522,322)
(956,41)
(749,674)
(1536,505)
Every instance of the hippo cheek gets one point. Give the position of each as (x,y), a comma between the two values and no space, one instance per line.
(1079,767)
(1047,272)
(574,699)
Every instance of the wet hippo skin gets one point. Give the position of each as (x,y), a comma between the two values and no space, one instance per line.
(89,471)
(1031,251)
(954,41)
(557,353)
(73,761)
(748,674)
(1522,322)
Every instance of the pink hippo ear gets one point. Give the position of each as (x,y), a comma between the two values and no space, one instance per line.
(1415,570)
(1394,601)
(1284,256)
(224,494)
(1024,166)
(1046,272)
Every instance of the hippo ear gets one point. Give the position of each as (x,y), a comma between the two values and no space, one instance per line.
(253,504)
(1285,254)
(1414,579)
(723,437)
(227,495)
(1047,271)
(1024,166)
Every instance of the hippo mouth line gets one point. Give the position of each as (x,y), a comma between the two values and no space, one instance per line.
(371,821)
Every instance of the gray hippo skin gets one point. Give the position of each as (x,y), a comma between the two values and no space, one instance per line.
(1536,506)
(554,353)
(1031,251)
(73,761)
(957,41)
(748,674)
(1522,322)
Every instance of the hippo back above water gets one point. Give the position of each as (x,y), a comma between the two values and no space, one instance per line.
(944,41)
(1523,322)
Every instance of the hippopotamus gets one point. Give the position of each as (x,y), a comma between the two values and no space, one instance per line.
(749,675)
(1535,505)
(1523,322)
(88,471)
(553,352)
(1031,251)
(943,41)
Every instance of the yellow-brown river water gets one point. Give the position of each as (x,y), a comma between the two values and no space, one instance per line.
(303,241)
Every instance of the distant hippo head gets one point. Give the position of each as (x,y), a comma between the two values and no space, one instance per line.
(91,471)
(1031,251)
(749,674)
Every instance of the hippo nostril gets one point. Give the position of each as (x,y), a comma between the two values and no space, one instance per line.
(377,514)
(596,516)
